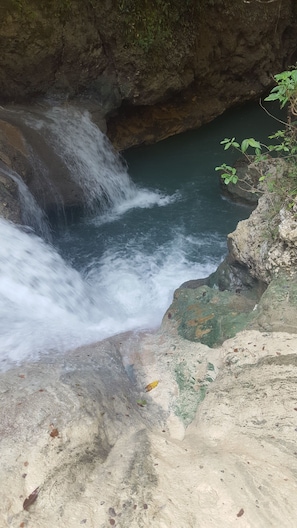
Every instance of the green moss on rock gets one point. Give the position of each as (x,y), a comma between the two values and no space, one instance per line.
(210,316)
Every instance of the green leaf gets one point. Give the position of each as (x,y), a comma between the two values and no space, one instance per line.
(294,75)
(278,134)
(226,140)
(272,97)
(254,143)
(250,142)
(244,145)
(229,143)
(283,76)
(225,167)
(230,177)
(284,102)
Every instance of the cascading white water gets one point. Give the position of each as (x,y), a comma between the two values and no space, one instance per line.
(32,215)
(47,306)
(90,158)
(122,262)
(44,303)
(91,161)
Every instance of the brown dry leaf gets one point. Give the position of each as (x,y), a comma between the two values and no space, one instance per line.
(31,499)
(54,433)
(152,385)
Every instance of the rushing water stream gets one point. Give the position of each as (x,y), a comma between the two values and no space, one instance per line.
(115,265)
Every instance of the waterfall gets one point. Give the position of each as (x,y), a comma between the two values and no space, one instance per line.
(115,269)
(32,215)
(44,303)
(92,163)
(73,163)
(46,306)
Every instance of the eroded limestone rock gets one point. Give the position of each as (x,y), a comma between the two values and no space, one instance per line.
(73,433)
(265,241)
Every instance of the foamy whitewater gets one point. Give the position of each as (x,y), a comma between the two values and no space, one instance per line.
(118,274)
(45,305)
(94,165)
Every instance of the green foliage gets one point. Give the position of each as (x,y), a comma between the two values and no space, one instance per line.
(286,89)
(285,140)
(229,174)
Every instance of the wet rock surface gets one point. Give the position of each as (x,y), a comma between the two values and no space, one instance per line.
(10,208)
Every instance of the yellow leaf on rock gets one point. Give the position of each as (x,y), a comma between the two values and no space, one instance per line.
(151,386)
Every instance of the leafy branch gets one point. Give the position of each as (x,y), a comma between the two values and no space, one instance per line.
(285,145)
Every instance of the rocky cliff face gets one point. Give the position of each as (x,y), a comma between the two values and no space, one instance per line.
(154,68)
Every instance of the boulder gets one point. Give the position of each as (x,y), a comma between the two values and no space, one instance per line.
(262,243)
(208,315)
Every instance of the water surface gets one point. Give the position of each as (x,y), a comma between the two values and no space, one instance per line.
(115,267)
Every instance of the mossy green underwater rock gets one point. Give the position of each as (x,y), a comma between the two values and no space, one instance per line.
(210,316)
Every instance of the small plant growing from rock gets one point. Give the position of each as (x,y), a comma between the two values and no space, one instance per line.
(285,145)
